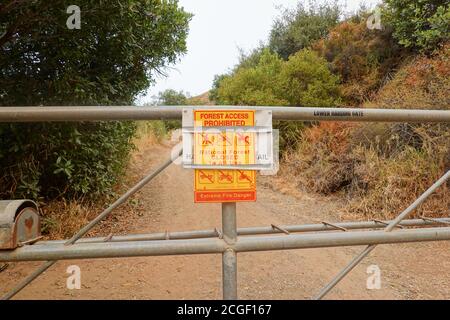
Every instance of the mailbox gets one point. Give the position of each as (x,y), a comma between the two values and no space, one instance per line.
(19,223)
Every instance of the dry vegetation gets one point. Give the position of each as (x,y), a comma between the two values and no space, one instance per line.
(381,168)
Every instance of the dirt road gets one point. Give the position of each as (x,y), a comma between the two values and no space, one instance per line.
(411,271)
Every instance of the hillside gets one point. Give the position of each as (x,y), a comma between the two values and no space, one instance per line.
(202,99)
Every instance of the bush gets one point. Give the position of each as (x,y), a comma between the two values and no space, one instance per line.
(421,83)
(362,58)
(419,24)
(66,159)
(257,85)
(322,162)
(297,29)
(381,168)
(305,80)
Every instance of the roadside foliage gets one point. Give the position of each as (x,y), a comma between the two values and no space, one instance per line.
(380,168)
(109,60)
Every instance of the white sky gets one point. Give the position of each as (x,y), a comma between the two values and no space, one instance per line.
(217,31)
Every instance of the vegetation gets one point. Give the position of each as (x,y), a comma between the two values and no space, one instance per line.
(169,97)
(313,59)
(419,24)
(362,58)
(297,29)
(383,167)
(303,80)
(109,60)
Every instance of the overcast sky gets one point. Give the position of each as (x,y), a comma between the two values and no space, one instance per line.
(217,31)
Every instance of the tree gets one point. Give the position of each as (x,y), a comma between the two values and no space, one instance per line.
(113,57)
(258,85)
(298,28)
(305,80)
(109,60)
(172,97)
(214,91)
(419,24)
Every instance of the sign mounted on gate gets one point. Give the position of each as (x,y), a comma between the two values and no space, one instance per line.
(226,148)
(228,139)
(220,185)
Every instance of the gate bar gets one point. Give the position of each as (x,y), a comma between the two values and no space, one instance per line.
(205,246)
(105,113)
(389,228)
(89,226)
(248,231)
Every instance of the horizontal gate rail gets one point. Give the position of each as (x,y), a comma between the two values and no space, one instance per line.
(253,231)
(230,240)
(205,246)
(89,113)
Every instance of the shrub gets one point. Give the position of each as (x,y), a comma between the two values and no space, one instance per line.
(381,168)
(422,83)
(419,24)
(305,80)
(257,85)
(362,58)
(66,159)
(322,162)
(297,29)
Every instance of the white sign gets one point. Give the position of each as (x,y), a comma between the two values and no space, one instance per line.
(228,139)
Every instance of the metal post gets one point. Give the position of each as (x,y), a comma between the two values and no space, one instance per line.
(229,259)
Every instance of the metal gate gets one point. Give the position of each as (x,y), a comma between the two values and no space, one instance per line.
(229,240)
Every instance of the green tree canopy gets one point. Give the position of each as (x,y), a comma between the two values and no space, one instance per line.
(298,28)
(419,24)
(171,97)
(113,56)
(120,45)
(303,80)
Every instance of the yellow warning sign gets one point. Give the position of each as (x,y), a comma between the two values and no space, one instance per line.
(225,185)
(224,118)
(221,145)
(220,142)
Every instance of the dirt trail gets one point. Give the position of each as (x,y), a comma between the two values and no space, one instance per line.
(409,271)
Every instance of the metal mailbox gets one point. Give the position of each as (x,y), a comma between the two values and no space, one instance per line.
(19,223)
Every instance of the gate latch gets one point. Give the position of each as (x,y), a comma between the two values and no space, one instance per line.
(19,223)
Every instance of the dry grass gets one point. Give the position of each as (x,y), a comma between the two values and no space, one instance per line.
(322,163)
(382,168)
